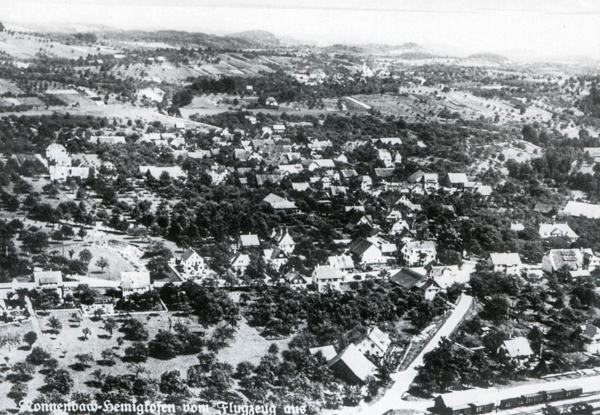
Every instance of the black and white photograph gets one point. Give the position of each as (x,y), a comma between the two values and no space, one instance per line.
(306,207)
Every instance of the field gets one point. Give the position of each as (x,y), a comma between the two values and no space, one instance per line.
(71,341)
(28,46)
(7,86)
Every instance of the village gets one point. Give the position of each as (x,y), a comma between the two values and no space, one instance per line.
(342,231)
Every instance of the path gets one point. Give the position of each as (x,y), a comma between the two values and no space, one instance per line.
(402,380)
(36,324)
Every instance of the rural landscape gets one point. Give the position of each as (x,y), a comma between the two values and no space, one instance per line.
(246,223)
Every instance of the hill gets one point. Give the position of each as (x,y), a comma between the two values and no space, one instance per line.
(489,57)
(258,36)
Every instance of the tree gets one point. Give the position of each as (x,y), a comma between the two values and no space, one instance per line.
(86,333)
(165,345)
(82,233)
(18,392)
(37,356)
(22,372)
(84,360)
(172,384)
(30,337)
(55,324)
(108,356)
(34,242)
(102,263)
(109,325)
(59,380)
(134,330)
(85,256)
(497,307)
(137,352)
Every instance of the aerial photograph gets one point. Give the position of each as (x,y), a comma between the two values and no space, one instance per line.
(330,207)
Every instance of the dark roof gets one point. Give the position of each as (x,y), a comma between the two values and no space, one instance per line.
(359,246)
(406,278)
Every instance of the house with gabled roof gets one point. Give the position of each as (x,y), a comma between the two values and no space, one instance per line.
(191,263)
(284,241)
(240,262)
(135,282)
(275,257)
(327,277)
(48,280)
(375,342)
(366,252)
(352,366)
(280,203)
(590,336)
(342,262)
(557,230)
(455,180)
(506,263)
(517,348)
(248,241)
(419,252)
(294,279)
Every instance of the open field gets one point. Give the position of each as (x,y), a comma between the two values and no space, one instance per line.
(29,46)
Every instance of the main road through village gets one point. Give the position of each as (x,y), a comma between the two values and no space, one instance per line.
(402,380)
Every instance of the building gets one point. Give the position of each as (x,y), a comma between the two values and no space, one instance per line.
(285,242)
(418,253)
(506,263)
(326,278)
(275,257)
(590,336)
(352,366)
(366,252)
(280,203)
(375,342)
(135,282)
(49,280)
(191,263)
(248,241)
(557,230)
(571,259)
(240,262)
(156,172)
(586,210)
(62,172)
(455,180)
(342,262)
(57,155)
(517,348)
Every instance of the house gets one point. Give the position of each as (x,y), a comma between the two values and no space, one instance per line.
(191,263)
(419,252)
(49,280)
(398,227)
(326,278)
(57,154)
(328,352)
(275,257)
(590,336)
(321,164)
(366,252)
(556,230)
(352,366)
(62,172)
(470,401)
(407,278)
(300,187)
(342,262)
(293,279)
(278,128)
(386,157)
(135,282)
(429,287)
(248,241)
(430,182)
(544,208)
(394,216)
(517,348)
(446,275)
(240,262)
(375,342)
(280,203)
(586,210)
(506,263)
(285,242)
(571,259)
(455,180)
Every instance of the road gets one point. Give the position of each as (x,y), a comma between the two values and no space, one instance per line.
(402,380)
(36,324)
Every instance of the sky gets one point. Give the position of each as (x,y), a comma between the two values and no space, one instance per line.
(544,28)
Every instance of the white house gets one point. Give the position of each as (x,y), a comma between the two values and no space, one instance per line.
(552,230)
(327,277)
(191,263)
(62,172)
(286,243)
(342,262)
(275,257)
(507,263)
(240,262)
(135,282)
(366,252)
(590,335)
(248,241)
(375,342)
(56,154)
(419,252)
